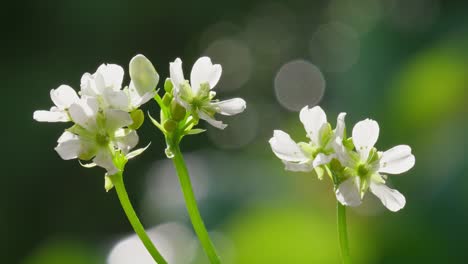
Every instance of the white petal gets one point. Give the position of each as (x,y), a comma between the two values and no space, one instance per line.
(88,86)
(51,116)
(176,73)
(203,71)
(116,119)
(313,120)
(64,96)
(231,107)
(84,112)
(104,159)
(211,120)
(341,153)
(69,146)
(117,99)
(294,166)
(397,160)
(392,199)
(321,159)
(365,135)
(348,192)
(143,74)
(285,148)
(127,141)
(340,126)
(136,99)
(112,75)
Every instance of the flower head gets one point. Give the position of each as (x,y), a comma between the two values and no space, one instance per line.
(353,164)
(197,97)
(366,167)
(97,134)
(305,156)
(106,84)
(105,117)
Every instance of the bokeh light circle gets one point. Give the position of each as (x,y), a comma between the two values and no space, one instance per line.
(299,83)
(335,47)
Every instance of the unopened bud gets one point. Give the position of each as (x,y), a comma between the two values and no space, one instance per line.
(170,125)
(177,111)
(168,86)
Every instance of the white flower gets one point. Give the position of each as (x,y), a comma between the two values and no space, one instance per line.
(97,134)
(364,167)
(196,96)
(63,97)
(320,149)
(106,84)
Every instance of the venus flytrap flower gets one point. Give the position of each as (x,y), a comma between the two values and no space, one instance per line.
(366,168)
(197,97)
(105,122)
(318,151)
(106,84)
(97,134)
(352,172)
(182,106)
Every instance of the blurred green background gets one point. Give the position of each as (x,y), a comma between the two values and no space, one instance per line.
(402,63)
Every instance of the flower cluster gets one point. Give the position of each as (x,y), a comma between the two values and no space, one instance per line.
(185,103)
(105,115)
(197,97)
(354,164)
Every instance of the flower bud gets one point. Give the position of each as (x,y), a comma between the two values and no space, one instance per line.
(177,111)
(170,125)
(168,86)
(138,118)
(167,98)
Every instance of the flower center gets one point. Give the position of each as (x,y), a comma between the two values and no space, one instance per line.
(102,139)
(362,170)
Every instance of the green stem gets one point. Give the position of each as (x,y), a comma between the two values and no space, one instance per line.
(192,208)
(117,180)
(343,232)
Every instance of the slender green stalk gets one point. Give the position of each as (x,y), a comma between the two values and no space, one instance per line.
(192,208)
(117,180)
(343,232)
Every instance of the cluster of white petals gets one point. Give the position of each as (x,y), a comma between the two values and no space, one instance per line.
(367,167)
(196,96)
(361,166)
(101,112)
(305,156)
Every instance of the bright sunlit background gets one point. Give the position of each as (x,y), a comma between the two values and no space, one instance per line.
(402,63)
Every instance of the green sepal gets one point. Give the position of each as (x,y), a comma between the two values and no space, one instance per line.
(348,143)
(373,156)
(364,185)
(325,134)
(308,148)
(195,131)
(136,152)
(108,185)
(320,172)
(156,123)
(138,118)
(376,177)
